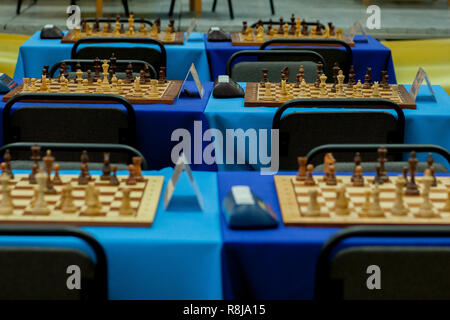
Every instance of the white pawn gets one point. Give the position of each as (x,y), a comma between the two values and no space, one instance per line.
(125,207)
(375,209)
(313,209)
(341,204)
(6,204)
(399,208)
(426,209)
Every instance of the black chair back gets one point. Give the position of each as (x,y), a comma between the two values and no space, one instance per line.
(329,49)
(70,124)
(300,132)
(41,273)
(274,61)
(405,272)
(156,58)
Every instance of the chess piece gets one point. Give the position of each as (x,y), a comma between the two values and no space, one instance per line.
(382,158)
(162,75)
(244,27)
(48,160)
(137,89)
(384,80)
(358,179)
(125,207)
(106,176)
(265,77)
(446,207)
(375,209)
(378,179)
(331,27)
(114,181)
(137,162)
(83,178)
(366,205)
(56,178)
(40,206)
(328,160)
(335,75)
(154,93)
(399,208)
(341,205)
(319,73)
(313,209)
(430,162)
(331,179)
(304,31)
(309,180)
(67,204)
(132,175)
(93,205)
(301,175)
(359,91)
(323,87)
(280,28)
(6,203)
(351,77)
(267,92)
(318,28)
(7,159)
(426,209)
(35,156)
(411,186)
(357,160)
(375,90)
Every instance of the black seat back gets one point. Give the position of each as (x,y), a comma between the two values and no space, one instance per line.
(404,272)
(156,58)
(300,132)
(329,49)
(274,62)
(66,124)
(41,273)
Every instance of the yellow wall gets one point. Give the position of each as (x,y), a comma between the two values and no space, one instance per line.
(432,55)
(9,50)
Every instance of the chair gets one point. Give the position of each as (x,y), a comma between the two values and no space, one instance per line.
(407,271)
(154,57)
(71,124)
(329,49)
(274,61)
(299,132)
(40,273)
(87,64)
(339,149)
(230,7)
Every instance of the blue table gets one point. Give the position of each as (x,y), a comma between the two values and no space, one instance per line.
(278,263)
(155,124)
(429,123)
(178,257)
(35,53)
(365,54)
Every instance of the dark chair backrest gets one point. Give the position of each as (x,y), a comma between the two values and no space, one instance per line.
(67,124)
(41,273)
(88,64)
(274,61)
(329,49)
(406,272)
(300,132)
(364,149)
(156,58)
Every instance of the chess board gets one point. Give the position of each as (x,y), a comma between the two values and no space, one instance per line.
(293,199)
(254,95)
(239,39)
(175,37)
(144,199)
(168,91)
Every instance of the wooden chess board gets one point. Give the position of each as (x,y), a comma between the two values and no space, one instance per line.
(293,199)
(254,95)
(168,91)
(175,37)
(239,39)
(144,199)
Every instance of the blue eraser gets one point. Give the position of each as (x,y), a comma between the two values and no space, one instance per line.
(245,210)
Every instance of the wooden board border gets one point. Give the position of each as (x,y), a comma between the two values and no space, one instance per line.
(236,41)
(168,97)
(179,37)
(251,95)
(290,212)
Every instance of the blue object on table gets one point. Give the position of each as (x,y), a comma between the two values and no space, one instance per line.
(278,263)
(248,213)
(365,54)
(178,257)
(35,53)
(428,124)
(155,124)
(6,83)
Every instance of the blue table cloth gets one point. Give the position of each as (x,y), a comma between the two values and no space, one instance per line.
(278,263)
(429,123)
(178,257)
(365,54)
(37,52)
(155,124)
